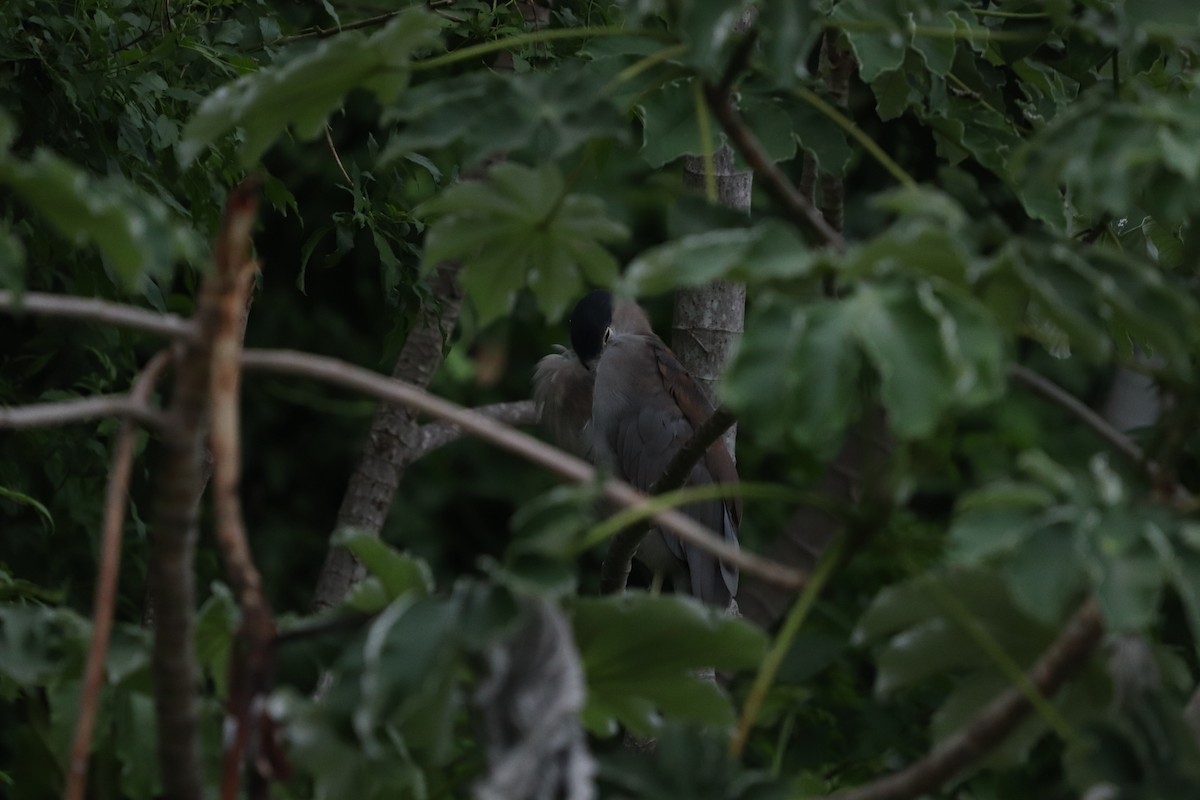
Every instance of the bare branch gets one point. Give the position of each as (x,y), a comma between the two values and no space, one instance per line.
(82,409)
(436,435)
(1065,656)
(573,469)
(618,561)
(1061,397)
(94,310)
(337,158)
(798,207)
(251,668)
(179,481)
(322,33)
(106,580)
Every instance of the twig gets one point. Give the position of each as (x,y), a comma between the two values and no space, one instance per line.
(321,33)
(618,561)
(826,567)
(436,435)
(334,624)
(1066,655)
(336,157)
(801,210)
(94,310)
(1061,397)
(339,372)
(82,409)
(106,581)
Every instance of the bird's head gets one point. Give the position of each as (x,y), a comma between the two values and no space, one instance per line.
(591,325)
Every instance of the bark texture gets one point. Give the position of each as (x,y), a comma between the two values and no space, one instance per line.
(709,319)
(393,441)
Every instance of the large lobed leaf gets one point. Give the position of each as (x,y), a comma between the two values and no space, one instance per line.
(641,654)
(521,228)
(304,91)
(136,232)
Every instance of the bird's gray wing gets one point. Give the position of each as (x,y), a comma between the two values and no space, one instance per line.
(644,425)
(562,390)
(710,578)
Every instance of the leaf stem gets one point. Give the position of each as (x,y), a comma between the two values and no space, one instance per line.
(868,144)
(706,142)
(521,40)
(828,564)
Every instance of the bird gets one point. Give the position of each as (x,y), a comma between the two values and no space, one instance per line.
(622,400)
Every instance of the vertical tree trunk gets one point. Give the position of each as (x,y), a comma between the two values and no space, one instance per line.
(709,319)
(394,436)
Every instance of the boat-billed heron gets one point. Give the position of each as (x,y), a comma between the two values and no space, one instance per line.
(622,400)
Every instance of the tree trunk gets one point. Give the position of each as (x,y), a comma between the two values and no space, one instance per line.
(709,319)
(393,441)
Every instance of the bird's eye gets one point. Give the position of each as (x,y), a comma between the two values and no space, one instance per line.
(607,334)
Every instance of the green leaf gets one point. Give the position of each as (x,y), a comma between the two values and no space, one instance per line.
(878,41)
(136,232)
(304,91)
(398,574)
(669,125)
(521,228)
(136,744)
(771,250)
(640,654)
(795,372)
(38,645)
(216,623)
(788,30)
(544,115)
(12,262)
(20,498)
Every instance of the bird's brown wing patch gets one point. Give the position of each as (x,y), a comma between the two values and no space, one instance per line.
(697,408)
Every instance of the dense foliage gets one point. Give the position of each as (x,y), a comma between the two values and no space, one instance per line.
(1021,191)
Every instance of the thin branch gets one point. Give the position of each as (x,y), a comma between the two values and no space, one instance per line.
(576,470)
(801,210)
(322,33)
(336,157)
(436,435)
(82,409)
(618,561)
(95,310)
(1065,656)
(105,601)
(1051,391)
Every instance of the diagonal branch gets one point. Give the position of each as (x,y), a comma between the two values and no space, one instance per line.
(115,496)
(618,561)
(436,435)
(1065,656)
(94,310)
(1051,391)
(798,207)
(82,409)
(338,372)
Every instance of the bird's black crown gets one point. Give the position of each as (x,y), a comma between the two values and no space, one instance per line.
(589,320)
